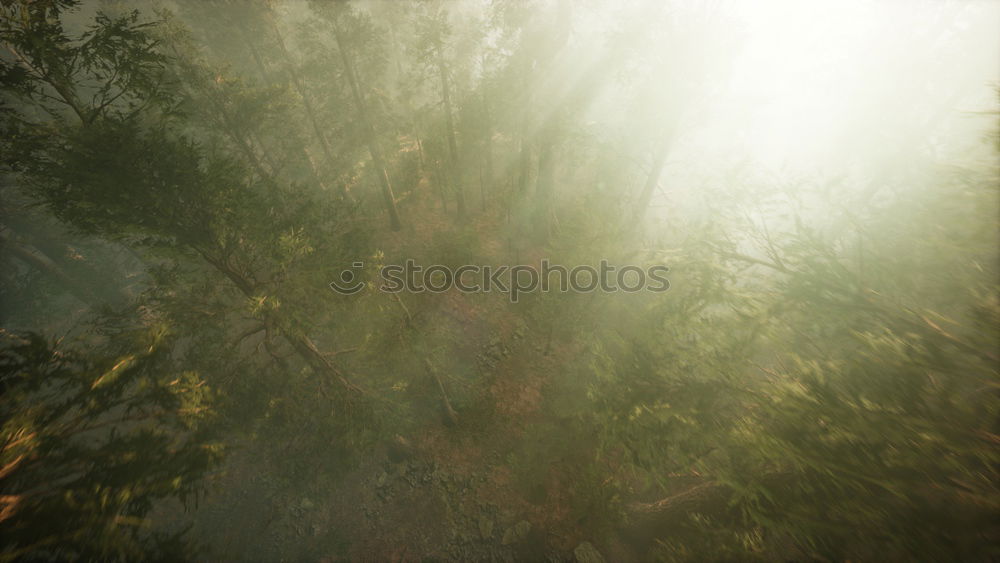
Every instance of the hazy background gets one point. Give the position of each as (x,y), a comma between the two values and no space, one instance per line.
(180,180)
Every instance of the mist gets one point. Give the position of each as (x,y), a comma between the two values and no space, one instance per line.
(499,280)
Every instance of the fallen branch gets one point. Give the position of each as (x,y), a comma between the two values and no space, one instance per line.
(451,417)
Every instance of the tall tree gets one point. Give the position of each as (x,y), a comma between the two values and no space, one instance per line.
(111,175)
(339,17)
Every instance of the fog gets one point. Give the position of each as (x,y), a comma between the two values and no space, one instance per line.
(499,280)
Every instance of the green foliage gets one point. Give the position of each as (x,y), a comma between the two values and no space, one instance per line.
(91,441)
(820,382)
(115,57)
(846,410)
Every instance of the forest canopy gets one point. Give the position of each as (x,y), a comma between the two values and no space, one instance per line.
(554,280)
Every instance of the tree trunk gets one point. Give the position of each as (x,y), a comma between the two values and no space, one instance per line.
(653,179)
(449,416)
(524,149)
(262,69)
(306,102)
(455,176)
(102,283)
(544,186)
(289,329)
(487,146)
(376,153)
(51,270)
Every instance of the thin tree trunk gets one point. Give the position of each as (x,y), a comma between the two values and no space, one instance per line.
(653,179)
(482,189)
(288,328)
(455,176)
(242,142)
(262,68)
(306,102)
(544,185)
(376,153)
(524,147)
(487,146)
(450,416)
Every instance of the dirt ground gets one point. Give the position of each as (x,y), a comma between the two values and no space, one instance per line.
(456,495)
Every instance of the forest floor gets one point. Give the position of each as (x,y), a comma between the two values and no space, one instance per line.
(457,496)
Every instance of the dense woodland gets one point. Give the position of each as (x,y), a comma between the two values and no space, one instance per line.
(180,181)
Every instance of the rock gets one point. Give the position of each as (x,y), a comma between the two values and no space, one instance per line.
(587,553)
(516,533)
